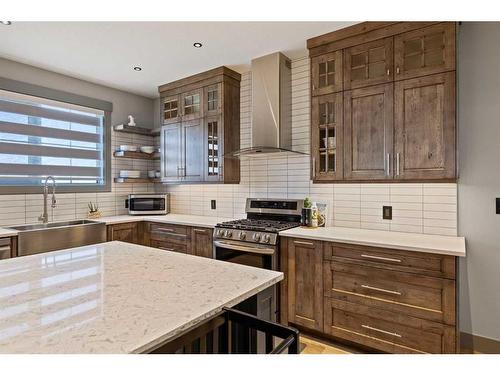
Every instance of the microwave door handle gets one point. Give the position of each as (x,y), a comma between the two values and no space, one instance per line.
(248,249)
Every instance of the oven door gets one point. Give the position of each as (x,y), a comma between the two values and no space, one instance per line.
(254,255)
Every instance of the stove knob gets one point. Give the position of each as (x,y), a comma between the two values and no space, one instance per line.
(242,235)
(229,233)
(219,232)
(256,237)
(266,238)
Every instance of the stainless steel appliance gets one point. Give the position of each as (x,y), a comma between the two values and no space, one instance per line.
(254,241)
(148,204)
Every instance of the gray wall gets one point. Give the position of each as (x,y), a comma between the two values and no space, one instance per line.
(479,182)
(124,103)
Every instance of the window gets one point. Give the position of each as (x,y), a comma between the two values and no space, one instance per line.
(42,137)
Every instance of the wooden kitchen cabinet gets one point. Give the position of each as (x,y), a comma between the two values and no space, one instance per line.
(397,121)
(197,144)
(425,129)
(305,283)
(201,242)
(369,64)
(327,134)
(368,133)
(425,51)
(326,73)
(393,301)
(126,232)
(8,247)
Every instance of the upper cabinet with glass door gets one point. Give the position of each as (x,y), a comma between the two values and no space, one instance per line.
(326,71)
(212,102)
(192,105)
(425,51)
(171,109)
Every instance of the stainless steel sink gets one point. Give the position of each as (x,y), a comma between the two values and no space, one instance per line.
(40,238)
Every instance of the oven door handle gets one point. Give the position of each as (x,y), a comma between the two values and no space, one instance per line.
(248,249)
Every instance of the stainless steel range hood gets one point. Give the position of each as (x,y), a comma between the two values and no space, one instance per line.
(271,129)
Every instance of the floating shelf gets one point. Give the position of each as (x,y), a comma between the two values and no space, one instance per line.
(137,130)
(122,180)
(137,155)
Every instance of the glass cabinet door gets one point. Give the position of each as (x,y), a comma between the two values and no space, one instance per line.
(171,109)
(213,154)
(327,133)
(326,71)
(425,51)
(212,96)
(192,105)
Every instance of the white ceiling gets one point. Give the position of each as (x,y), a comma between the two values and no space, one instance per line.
(106,52)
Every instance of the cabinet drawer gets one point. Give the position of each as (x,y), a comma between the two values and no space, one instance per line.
(164,245)
(170,233)
(414,295)
(385,331)
(5,248)
(407,261)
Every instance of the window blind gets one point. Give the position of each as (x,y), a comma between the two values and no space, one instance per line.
(41,137)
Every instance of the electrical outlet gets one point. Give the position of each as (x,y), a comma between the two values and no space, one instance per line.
(387,212)
(498,206)
(213,204)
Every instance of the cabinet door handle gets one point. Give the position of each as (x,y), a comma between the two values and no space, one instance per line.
(381,290)
(165,248)
(303,243)
(388,72)
(388,162)
(381,258)
(314,167)
(381,331)
(397,164)
(397,70)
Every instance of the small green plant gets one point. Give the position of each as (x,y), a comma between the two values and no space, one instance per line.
(307,202)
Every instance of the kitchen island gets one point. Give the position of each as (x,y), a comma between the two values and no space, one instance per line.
(115,297)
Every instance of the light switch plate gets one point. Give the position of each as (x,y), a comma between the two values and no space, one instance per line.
(213,204)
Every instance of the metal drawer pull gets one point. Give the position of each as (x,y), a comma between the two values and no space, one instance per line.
(381,331)
(303,243)
(381,290)
(5,248)
(200,230)
(165,229)
(381,258)
(165,248)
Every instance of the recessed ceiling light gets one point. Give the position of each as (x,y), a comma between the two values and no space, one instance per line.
(6,23)
(197,45)
(137,68)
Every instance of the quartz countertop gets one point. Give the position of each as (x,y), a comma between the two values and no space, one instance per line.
(7,232)
(115,297)
(192,220)
(427,243)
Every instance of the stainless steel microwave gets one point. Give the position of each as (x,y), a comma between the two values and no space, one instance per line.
(148,204)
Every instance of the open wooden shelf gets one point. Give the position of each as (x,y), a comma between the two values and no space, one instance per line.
(137,155)
(138,130)
(122,180)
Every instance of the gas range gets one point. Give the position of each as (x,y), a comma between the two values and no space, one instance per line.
(265,219)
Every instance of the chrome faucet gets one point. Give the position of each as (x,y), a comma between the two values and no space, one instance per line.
(44,217)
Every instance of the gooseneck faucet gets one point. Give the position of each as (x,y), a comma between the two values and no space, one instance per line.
(44,217)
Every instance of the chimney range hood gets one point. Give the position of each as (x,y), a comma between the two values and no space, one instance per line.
(271,123)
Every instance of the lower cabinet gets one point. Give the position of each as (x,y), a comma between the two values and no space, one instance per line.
(8,247)
(126,232)
(305,283)
(388,300)
(201,242)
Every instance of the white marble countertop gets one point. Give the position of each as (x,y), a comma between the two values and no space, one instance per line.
(7,232)
(192,220)
(426,243)
(114,297)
